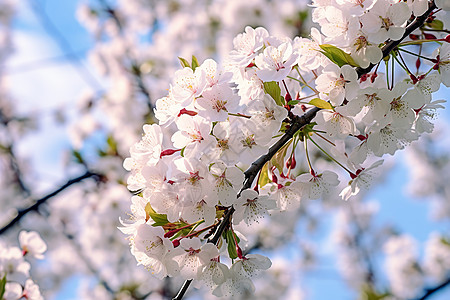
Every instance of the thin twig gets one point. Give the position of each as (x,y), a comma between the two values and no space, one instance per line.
(431,291)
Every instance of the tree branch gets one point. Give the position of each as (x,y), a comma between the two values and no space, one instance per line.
(22,212)
(418,21)
(429,292)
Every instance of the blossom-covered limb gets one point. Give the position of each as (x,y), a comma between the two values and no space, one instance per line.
(418,22)
(223,225)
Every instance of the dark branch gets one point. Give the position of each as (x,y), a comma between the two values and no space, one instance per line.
(431,291)
(183,290)
(419,21)
(223,225)
(21,213)
(297,123)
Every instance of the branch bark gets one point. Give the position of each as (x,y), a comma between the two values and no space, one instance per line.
(431,291)
(22,212)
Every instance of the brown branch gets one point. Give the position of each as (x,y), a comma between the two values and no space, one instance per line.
(223,225)
(431,291)
(419,21)
(22,212)
(297,122)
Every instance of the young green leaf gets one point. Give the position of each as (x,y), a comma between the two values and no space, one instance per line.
(337,55)
(184,63)
(231,246)
(160,219)
(2,286)
(293,102)
(195,63)
(435,24)
(274,90)
(264,176)
(321,103)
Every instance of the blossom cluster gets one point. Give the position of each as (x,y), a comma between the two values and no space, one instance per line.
(187,171)
(15,281)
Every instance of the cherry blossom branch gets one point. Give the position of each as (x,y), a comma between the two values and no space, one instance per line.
(431,291)
(183,290)
(223,225)
(22,212)
(297,122)
(419,21)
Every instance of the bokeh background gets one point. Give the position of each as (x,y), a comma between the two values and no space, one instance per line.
(77,82)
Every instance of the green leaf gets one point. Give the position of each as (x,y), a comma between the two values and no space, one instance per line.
(184,63)
(112,144)
(160,219)
(293,102)
(337,55)
(182,152)
(274,90)
(435,24)
(264,176)
(2,286)
(367,293)
(321,103)
(195,63)
(278,159)
(445,241)
(78,157)
(231,246)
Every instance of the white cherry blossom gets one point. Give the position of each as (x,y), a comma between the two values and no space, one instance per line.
(246,45)
(251,207)
(363,179)
(267,115)
(188,84)
(385,21)
(32,244)
(217,102)
(227,182)
(314,186)
(275,63)
(194,257)
(337,83)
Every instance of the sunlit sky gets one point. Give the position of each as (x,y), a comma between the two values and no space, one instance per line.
(42,78)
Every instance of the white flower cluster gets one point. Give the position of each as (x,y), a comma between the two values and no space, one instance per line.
(188,170)
(15,281)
